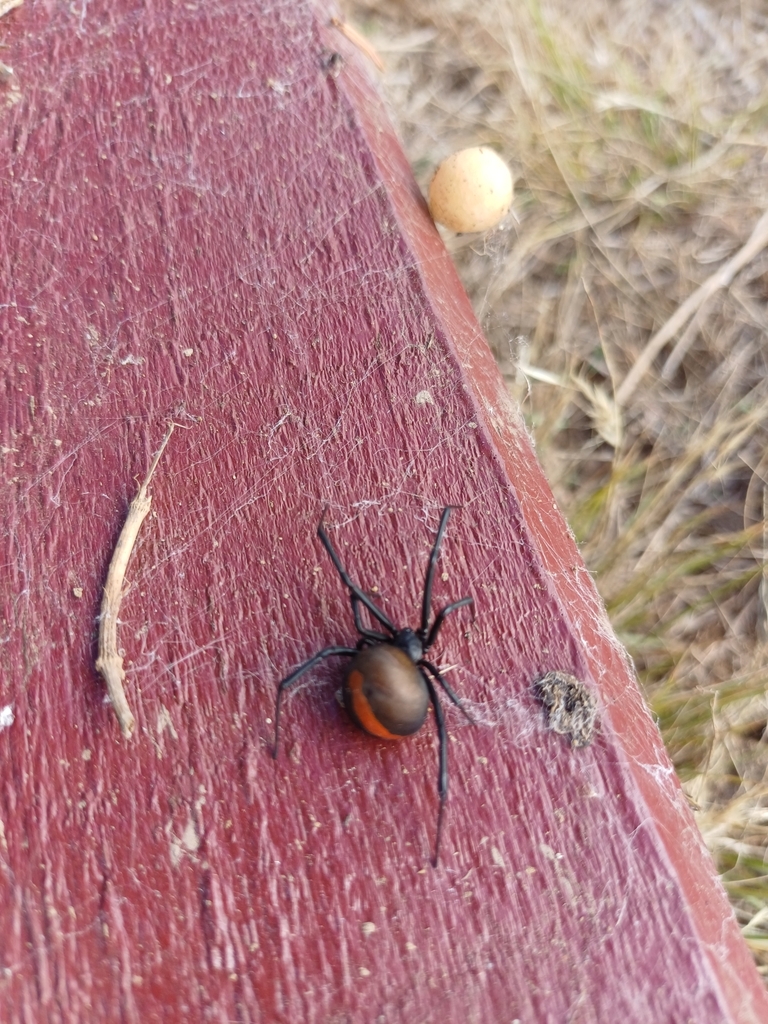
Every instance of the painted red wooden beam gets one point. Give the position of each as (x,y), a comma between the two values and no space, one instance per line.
(207,218)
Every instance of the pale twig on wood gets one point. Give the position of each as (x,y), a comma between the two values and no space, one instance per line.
(720,279)
(109,662)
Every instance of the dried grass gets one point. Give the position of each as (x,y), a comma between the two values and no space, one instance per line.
(637,134)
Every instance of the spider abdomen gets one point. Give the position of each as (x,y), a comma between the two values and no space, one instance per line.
(385,693)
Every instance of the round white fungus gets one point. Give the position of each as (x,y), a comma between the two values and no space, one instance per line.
(471,191)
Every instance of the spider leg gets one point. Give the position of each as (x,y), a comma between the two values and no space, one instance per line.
(427,598)
(294,677)
(437,625)
(442,771)
(368,634)
(448,689)
(355,592)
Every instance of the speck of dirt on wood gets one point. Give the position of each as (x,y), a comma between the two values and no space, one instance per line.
(569,706)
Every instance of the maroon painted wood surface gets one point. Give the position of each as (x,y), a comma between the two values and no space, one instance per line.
(205,216)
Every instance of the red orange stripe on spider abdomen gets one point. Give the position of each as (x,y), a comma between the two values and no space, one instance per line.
(363,712)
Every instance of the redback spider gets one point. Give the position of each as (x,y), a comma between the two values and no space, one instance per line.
(387,688)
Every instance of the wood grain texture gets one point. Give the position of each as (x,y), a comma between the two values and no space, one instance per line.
(205,217)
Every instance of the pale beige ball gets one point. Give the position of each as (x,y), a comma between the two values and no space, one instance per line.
(472,190)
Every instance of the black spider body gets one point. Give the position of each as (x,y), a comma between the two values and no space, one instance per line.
(389,684)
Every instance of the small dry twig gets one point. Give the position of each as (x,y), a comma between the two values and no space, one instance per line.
(109,662)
